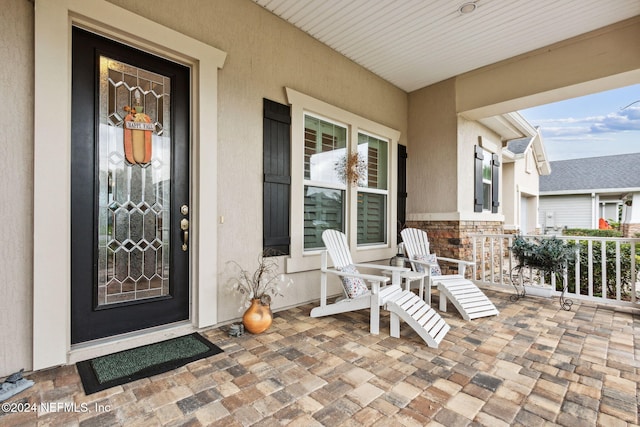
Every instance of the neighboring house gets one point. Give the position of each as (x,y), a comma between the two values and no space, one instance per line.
(579,192)
(249,117)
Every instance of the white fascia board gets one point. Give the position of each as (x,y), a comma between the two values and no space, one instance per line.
(509,126)
(517,121)
(590,191)
(540,154)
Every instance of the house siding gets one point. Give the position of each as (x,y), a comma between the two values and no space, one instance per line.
(16,184)
(573,211)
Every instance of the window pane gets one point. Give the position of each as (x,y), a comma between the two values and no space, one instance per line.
(375,153)
(486,188)
(372,218)
(324,148)
(323,210)
(486,166)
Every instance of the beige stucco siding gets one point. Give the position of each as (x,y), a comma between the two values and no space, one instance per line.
(432,182)
(520,179)
(470,134)
(509,194)
(16,184)
(597,61)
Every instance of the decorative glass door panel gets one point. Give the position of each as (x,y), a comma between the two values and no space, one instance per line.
(134,160)
(130,177)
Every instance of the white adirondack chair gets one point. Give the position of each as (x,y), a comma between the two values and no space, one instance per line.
(381,287)
(470,301)
(402,304)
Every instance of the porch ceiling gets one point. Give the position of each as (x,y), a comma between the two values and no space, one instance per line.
(415,43)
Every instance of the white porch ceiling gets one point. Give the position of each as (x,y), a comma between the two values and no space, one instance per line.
(415,43)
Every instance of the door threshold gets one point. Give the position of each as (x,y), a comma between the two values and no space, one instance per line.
(103,346)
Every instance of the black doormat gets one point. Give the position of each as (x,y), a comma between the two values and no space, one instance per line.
(125,366)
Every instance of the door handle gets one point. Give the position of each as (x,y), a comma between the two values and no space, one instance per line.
(184,226)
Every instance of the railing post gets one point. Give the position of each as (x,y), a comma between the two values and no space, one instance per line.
(482,260)
(577,270)
(618,281)
(492,243)
(475,259)
(590,266)
(634,279)
(603,267)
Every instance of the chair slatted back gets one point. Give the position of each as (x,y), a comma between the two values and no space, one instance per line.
(338,248)
(415,242)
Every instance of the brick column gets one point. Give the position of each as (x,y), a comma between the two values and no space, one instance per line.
(452,239)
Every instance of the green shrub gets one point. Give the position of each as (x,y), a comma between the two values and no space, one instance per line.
(590,232)
(550,255)
(610,265)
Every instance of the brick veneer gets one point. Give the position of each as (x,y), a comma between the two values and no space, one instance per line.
(630,230)
(452,238)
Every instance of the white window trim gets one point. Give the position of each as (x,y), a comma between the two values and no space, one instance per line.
(301,104)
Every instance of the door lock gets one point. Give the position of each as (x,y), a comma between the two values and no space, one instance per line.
(184,226)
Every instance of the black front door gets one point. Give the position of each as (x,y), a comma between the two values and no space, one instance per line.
(129,189)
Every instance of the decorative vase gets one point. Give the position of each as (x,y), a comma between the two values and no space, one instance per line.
(258,317)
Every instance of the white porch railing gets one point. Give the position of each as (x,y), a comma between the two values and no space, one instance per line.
(604,269)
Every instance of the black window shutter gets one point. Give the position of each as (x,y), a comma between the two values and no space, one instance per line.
(277,177)
(495,182)
(402,189)
(478,193)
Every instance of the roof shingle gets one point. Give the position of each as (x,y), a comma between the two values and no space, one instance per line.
(619,171)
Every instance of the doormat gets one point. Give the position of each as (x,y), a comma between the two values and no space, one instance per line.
(125,366)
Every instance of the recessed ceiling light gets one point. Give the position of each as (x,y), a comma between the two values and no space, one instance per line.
(467,7)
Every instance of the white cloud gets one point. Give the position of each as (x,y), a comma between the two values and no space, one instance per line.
(627,120)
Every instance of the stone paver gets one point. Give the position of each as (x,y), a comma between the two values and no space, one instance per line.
(533,365)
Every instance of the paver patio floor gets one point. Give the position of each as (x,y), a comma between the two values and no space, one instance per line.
(533,365)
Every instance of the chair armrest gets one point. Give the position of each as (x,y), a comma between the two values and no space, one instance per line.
(384,267)
(456,261)
(425,263)
(368,277)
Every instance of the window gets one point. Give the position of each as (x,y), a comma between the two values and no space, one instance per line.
(486,180)
(323,139)
(372,190)
(325,147)
(326,153)
(487,176)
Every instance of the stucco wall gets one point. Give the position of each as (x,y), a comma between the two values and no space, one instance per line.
(16,184)
(518,180)
(471,133)
(432,170)
(265,54)
(509,194)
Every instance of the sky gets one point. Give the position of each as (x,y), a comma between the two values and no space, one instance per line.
(590,126)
